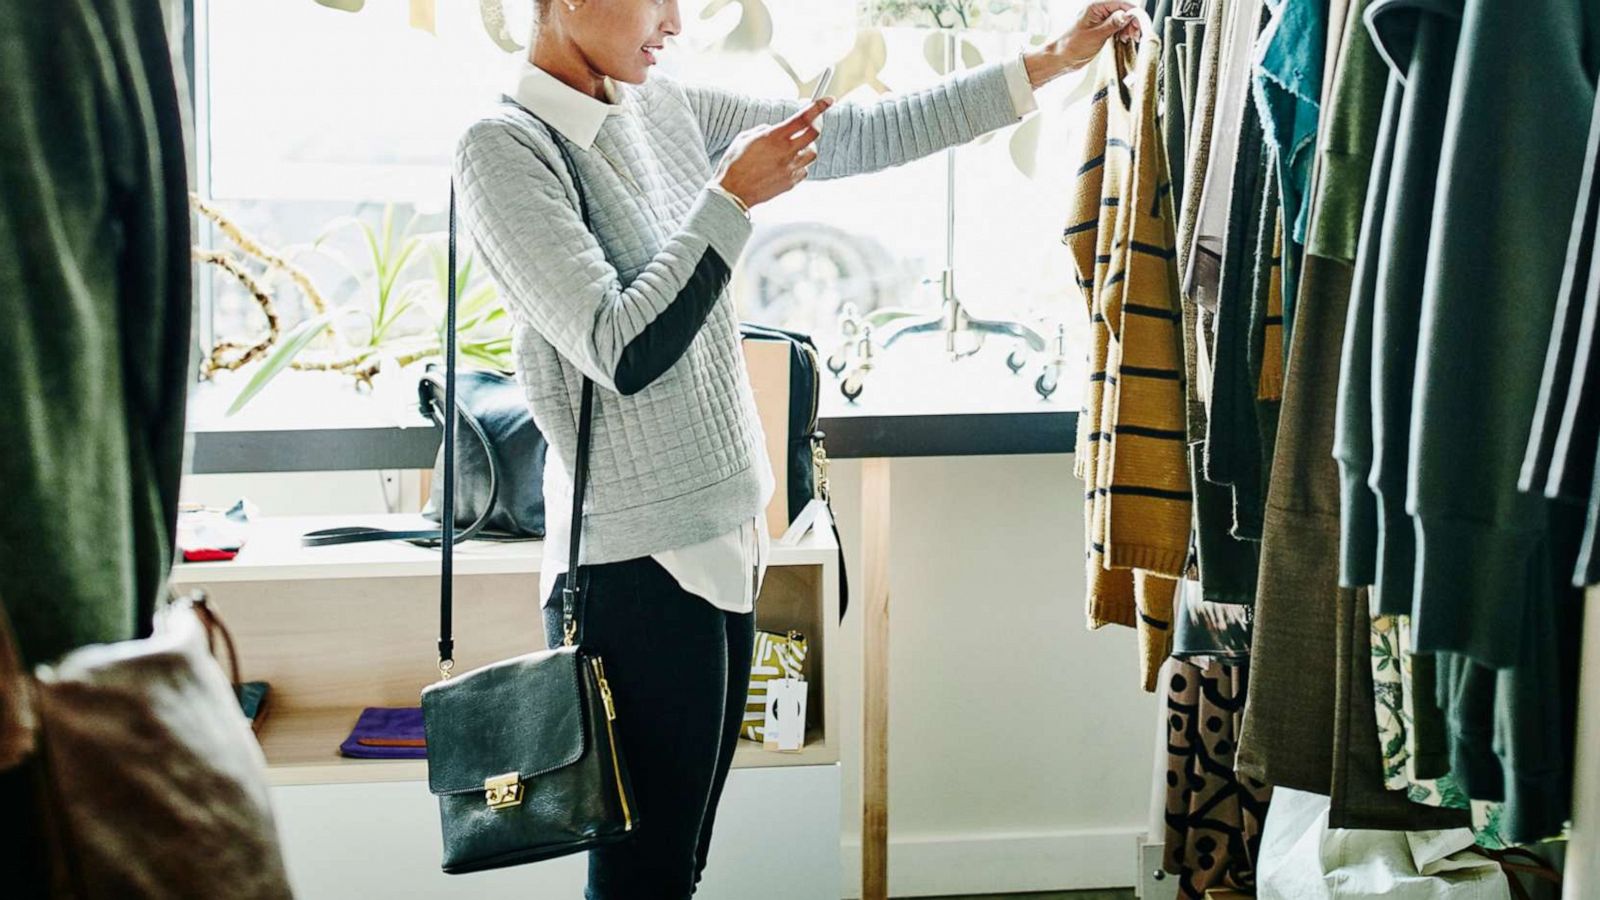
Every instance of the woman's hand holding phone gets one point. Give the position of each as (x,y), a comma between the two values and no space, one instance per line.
(766,162)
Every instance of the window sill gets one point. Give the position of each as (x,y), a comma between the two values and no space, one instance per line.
(307,424)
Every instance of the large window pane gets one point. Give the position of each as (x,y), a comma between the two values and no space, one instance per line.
(313,114)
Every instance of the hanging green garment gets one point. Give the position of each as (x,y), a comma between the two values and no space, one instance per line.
(95,296)
(1352,433)
(1287,87)
(1565,437)
(1421,46)
(1495,563)
(1493,276)
(1559,461)
(1290,707)
(1233,439)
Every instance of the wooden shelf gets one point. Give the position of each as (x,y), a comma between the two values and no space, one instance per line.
(302,747)
(334,629)
(274,553)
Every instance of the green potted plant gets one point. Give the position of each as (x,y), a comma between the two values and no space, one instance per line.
(393,315)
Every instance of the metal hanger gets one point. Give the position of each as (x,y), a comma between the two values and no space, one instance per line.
(1200,7)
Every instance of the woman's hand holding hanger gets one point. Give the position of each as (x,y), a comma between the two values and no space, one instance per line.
(763,163)
(1098,23)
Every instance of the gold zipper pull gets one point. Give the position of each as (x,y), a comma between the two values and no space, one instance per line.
(605,690)
(819,466)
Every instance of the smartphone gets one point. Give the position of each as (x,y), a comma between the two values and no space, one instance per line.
(823,84)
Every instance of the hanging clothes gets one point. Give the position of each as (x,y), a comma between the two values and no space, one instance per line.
(1223,565)
(1268,347)
(1421,48)
(1359,798)
(1131,436)
(1588,567)
(1214,818)
(1226,470)
(1287,88)
(1352,435)
(1511,731)
(1206,57)
(1206,629)
(1486,324)
(1291,704)
(1494,565)
(1233,440)
(1560,458)
(1242,24)
(1404,684)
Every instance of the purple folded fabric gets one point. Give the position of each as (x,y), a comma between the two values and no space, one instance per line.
(383,733)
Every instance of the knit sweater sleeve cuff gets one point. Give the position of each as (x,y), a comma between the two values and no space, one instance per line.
(721,222)
(987,98)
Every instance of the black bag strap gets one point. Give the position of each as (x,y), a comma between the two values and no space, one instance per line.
(571,590)
(448,489)
(580,482)
(571,595)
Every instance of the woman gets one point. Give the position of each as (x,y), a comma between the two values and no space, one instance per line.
(673,544)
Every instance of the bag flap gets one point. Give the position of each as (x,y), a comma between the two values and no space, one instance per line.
(522,715)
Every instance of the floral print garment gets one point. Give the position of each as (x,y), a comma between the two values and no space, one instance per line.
(1395,688)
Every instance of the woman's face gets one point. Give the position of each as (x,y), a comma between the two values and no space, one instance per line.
(621,38)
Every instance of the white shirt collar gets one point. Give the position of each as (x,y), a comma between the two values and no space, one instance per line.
(568,110)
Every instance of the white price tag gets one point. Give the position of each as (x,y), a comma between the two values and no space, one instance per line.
(786,715)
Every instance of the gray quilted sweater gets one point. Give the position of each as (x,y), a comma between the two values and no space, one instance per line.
(678,449)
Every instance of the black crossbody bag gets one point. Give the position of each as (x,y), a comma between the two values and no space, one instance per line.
(522,754)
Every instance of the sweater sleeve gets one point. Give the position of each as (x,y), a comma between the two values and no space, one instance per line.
(859,138)
(556,278)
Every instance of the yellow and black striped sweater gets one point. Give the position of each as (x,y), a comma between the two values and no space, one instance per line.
(1131,435)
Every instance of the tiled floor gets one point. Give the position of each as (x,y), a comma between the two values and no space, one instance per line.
(1112,894)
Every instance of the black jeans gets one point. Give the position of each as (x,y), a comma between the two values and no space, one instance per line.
(680,670)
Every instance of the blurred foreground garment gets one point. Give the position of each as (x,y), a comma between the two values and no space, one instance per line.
(94,318)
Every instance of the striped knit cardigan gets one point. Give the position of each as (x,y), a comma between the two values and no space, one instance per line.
(1131,436)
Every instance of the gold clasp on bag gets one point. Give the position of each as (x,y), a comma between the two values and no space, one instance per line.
(503,791)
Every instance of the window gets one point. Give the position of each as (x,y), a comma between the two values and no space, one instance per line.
(327,124)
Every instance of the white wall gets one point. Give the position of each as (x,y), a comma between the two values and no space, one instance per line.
(1020,744)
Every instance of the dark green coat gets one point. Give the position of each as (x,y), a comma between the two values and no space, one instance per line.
(1508,177)
(96,304)
(1494,562)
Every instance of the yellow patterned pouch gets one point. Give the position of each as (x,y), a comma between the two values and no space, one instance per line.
(776,656)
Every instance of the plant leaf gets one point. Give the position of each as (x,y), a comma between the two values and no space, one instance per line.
(280,357)
(493,16)
(1025,146)
(396,266)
